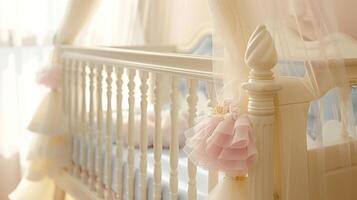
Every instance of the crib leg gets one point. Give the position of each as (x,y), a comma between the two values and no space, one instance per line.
(59,194)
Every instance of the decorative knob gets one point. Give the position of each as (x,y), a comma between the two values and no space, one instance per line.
(261,55)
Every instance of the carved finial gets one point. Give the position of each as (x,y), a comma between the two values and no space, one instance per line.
(261,55)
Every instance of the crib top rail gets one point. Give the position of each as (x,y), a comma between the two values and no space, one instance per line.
(194,66)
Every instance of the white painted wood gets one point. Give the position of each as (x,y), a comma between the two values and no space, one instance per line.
(212,179)
(119,130)
(75,131)
(261,57)
(293,181)
(84,129)
(65,84)
(70,111)
(99,133)
(143,134)
(174,143)
(91,135)
(157,138)
(212,102)
(74,187)
(292,177)
(191,167)
(212,97)
(131,132)
(65,96)
(78,190)
(289,102)
(108,136)
(166,63)
(171,63)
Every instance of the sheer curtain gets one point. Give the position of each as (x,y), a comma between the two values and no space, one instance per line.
(26,31)
(116,23)
(28,23)
(27,28)
(153,23)
(312,39)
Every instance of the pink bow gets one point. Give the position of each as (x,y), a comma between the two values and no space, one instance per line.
(222,142)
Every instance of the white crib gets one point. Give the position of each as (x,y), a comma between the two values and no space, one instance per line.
(100,83)
(89,68)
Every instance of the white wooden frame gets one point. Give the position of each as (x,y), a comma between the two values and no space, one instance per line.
(271,104)
(100,63)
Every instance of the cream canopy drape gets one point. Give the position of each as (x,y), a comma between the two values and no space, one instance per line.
(310,37)
(47,155)
(77,15)
(232,31)
(173,22)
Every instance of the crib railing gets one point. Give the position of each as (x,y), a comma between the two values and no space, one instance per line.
(95,89)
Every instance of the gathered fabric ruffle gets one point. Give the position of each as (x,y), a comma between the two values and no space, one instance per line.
(48,155)
(50,150)
(49,118)
(224,142)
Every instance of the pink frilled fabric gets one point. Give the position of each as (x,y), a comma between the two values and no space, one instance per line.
(50,76)
(223,141)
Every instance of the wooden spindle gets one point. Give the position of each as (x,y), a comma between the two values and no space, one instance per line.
(108,137)
(131,132)
(157,139)
(70,112)
(65,84)
(119,130)
(91,149)
(191,167)
(68,101)
(99,136)
(76,150)
(212,98)
(174,143)
(143,134)
(68,106)
(84,170)
(212,102)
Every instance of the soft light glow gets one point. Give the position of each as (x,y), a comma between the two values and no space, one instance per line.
(19,95)
(9,126)
(26,28)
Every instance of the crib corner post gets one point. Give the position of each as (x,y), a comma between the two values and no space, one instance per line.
(261,88)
